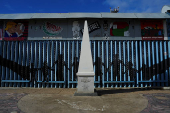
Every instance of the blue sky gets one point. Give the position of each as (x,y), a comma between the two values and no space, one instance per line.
(65,6)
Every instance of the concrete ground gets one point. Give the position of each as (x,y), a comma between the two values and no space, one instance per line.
(50,100)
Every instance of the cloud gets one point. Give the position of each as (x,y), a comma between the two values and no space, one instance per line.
(136,6)
(8,7)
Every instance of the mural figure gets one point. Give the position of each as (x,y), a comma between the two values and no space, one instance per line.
(76,30)
(10,29)
(15,30)
(152,30)
(105,27)
(19,29)
(51,29)
(119,29)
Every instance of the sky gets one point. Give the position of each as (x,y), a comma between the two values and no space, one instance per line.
(69,6)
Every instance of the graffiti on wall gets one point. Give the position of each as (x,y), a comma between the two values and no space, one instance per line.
(152,30)
(16,30)
(76,30)
(92,27)
(51,29)
(105,27)
(168,28)
(119,29)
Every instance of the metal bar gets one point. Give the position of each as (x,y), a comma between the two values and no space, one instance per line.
(128,53)
(52,60)
(149,61)
(145,64)
(56,65)
(149,81)
(107,62)
(161,60)
(153,63)
(157,62)
(169,61)
(137,73)
(15,81)
(27,60)
(23,60)
(111,53)
(140,44)
(103,65)
(98,49)
(116,74)
(64,65)
(132,60)
(73,51)
(165,61)
(94,60)
(39,64)
(35,63)
(120,56)
(44,50)
(124,61)
(120,82)
(48,62)
(60,85)
(51,82)
(32,62)
(68,58)
(16,60)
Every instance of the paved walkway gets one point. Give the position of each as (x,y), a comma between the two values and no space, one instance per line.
(31,100)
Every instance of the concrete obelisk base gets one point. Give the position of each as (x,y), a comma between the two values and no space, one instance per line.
(85,86)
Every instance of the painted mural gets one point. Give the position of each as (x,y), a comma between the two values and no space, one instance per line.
(16,30)
(76,30)
(119,29)
(152,30)
(168,28)
(105,27)
(92,27)
(1,30)
(51,29)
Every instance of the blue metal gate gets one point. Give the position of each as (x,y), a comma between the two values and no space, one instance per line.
(55,63)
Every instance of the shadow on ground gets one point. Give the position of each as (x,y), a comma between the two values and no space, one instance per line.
(101,92)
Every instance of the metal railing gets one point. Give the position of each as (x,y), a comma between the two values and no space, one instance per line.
(55,63)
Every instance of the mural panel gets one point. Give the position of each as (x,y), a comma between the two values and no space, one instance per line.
(119,29)
(51,29)
(168,28)
(1,30)
(16,30)
(152,30)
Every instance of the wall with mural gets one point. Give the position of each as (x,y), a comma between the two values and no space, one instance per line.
(115,29)
(16,30)
(168,28)
(1,30)
(152,30)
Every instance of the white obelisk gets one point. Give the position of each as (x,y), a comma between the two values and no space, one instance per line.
(85,72)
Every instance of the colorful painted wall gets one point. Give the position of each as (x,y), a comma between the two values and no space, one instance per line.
(115,29)
(15,30)
(168,28)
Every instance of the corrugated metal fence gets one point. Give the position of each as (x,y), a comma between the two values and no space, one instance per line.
(55,63)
